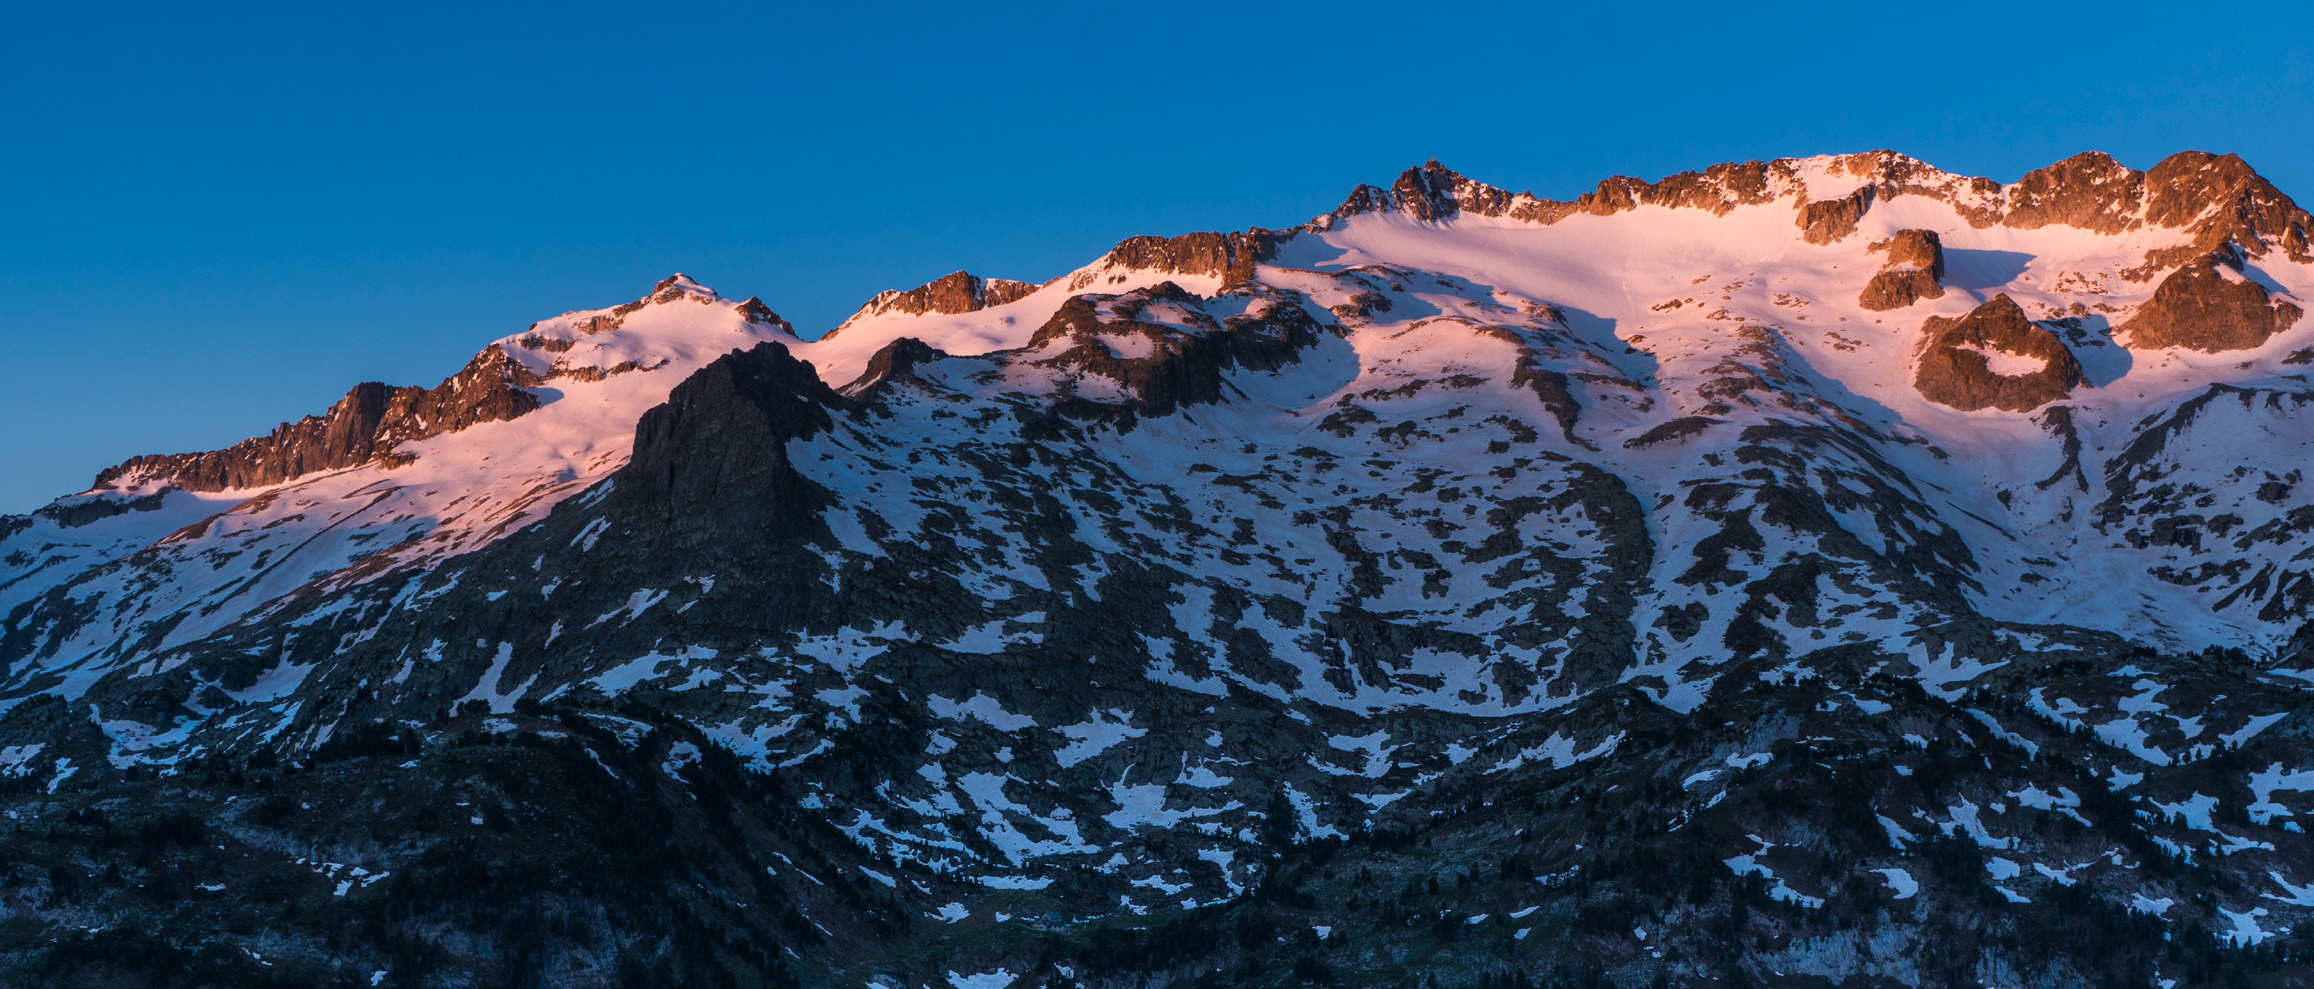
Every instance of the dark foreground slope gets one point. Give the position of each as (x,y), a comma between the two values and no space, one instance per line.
(572,847)
(1818,818)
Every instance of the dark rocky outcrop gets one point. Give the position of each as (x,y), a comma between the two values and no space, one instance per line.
(1434,192)
(1677,430)
(1229,257)
(72,513)
(715,454)
(1953,372)
(756,312)
(2218,200)
(2209,306)
(675,288)
(894,362)
(950,294)
(1550,387)
(2058,420)
(1182,366)
(366,424)
(1914,271)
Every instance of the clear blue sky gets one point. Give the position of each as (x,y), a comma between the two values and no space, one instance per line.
(217,217)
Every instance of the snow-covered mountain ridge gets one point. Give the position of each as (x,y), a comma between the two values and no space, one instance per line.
(1077,599)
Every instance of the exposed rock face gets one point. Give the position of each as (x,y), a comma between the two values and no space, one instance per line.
(1832,220)
(2224,201)
(1955,371)
(895,360)
(1433,192)
(951,294)
(1229,257)
(2090,191)
(483,392)
(673,288)
(1916,249)
(676,288)
(2209,306)
(367,423)
(1552,388)
(1914,271)
(717,450)
(1166,365)
(757,312)
(72,513)
(1677,430)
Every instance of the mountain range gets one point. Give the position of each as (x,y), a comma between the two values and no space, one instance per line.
(1806,572)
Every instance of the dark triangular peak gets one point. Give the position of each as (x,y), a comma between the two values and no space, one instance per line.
(717,448)
(896,361)
(758,313)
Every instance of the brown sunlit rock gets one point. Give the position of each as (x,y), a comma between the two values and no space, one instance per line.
(2210,306)
(1955,368)
(1914,271)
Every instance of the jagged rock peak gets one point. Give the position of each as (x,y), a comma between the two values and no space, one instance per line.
(951,294)
(679,286)
(756,312)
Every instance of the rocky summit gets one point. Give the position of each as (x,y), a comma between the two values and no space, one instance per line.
(1826,571)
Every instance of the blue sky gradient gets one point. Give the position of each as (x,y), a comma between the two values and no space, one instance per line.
(218,219)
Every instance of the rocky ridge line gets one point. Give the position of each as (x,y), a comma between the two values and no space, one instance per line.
(367,424)
(2216,199)
(951,294)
